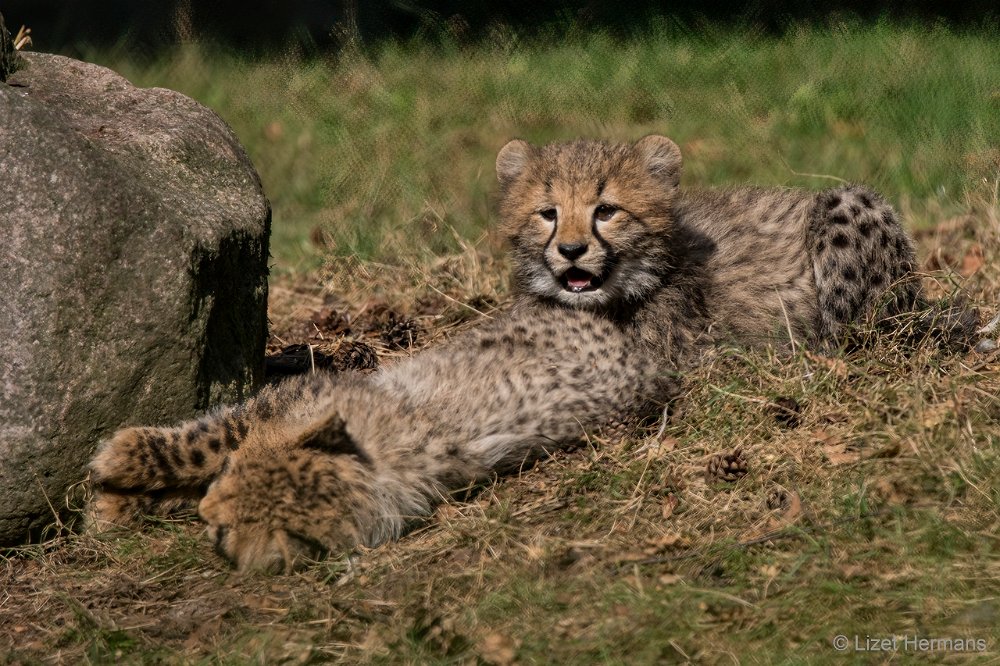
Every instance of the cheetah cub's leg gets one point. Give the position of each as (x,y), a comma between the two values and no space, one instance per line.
(157,471)
(862,258)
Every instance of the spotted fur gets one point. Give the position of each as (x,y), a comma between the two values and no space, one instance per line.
(861,256)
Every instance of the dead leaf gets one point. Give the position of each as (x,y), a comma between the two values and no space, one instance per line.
(793,510)
(835,450)
(888,492)
(498,649)
(890,451)
(835,417)
(841,455)
(972,261)
(265,603)
(534,551)
(669,579)
(790,506)
(669,504)
(445,513)
(904,573)
(937,414)
(206,630)
(823,437)
(661,543)
(667,444)
(274,130)
(631,556)
(849,571)
(769,570)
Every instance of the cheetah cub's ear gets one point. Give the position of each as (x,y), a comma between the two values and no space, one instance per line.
(512,160)
(662,158)
(330,436)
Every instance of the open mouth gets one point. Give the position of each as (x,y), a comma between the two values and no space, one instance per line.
(577,280)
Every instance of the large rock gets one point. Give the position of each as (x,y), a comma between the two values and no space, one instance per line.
(133,262)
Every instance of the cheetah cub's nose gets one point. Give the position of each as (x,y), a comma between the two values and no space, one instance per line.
(572,251)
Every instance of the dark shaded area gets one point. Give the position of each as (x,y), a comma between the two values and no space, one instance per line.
(144,26)
(339,356)
(235,326)
(8,56)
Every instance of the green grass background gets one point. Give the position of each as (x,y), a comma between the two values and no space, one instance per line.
(388,150)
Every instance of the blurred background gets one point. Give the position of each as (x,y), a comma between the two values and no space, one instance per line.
(374,124)
(258,27)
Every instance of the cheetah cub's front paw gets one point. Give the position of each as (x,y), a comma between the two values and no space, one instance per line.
(130,460)
(135,474)
(114,467)
(109,509)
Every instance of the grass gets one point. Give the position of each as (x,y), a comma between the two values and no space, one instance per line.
(387,154)
(877,514)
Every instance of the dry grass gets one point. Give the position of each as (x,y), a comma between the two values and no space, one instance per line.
(873,509)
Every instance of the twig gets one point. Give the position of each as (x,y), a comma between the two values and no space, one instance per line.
(815,175)
(788,322)
(464,305)
(22,39)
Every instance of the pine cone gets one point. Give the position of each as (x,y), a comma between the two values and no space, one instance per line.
(353,355)
(728,467)
(399,333)
(778,499)
(786,411)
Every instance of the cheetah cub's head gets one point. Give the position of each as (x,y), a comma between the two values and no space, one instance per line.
(273,508)
(589,221)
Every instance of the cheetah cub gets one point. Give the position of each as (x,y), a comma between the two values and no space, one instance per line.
(326,462)
(605,227)
(624,278)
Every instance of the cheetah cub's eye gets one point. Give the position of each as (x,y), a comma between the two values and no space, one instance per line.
(604,212)
(549,214)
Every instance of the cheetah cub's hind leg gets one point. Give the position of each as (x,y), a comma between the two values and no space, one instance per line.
(862,259)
